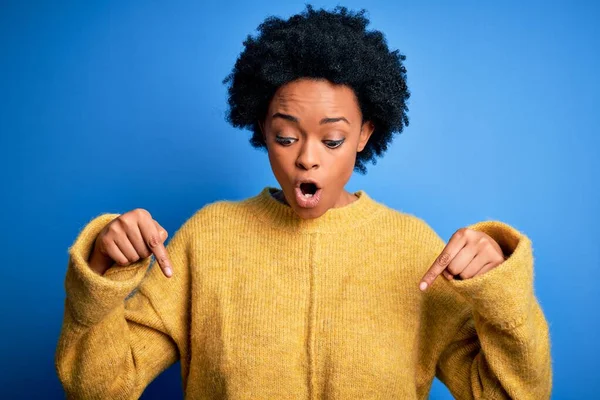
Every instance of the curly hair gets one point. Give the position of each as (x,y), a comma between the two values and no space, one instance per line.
(319,44)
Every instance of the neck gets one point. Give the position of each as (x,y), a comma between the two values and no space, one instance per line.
(277,214)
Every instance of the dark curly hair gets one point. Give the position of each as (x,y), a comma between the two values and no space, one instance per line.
(319,44)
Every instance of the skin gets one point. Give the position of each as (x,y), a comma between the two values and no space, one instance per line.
(303,129)
(303,121)
(129,238)
(468,253)
(310,117)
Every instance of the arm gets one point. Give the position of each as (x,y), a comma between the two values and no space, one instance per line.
(121,329)
(486,337)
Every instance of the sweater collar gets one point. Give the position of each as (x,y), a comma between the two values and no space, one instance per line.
(282,216)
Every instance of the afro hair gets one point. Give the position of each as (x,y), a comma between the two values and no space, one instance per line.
(320,44)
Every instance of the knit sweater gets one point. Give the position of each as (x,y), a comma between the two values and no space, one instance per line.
(266,305)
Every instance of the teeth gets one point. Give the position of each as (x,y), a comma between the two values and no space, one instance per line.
(308,195)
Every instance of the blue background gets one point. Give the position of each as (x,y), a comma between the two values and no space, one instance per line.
(110,106)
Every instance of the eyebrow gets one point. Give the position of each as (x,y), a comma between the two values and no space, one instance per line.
(323,121)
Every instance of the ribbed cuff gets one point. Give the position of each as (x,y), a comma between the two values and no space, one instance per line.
(502,296)
(90,295)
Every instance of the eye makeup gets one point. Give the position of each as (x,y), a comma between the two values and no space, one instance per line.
(333,144)
(287,141)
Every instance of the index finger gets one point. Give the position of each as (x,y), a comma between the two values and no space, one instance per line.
(155,244)
(455,244)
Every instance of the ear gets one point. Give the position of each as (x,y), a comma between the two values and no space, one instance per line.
(365,133)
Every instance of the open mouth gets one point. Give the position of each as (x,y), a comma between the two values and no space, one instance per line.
(308,189)
(308,194)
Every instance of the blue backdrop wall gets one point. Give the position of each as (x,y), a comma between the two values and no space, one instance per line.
(112,105)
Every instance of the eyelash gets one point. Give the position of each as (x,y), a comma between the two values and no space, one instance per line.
(288,141)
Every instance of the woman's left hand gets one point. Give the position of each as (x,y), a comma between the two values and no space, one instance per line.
(469,253)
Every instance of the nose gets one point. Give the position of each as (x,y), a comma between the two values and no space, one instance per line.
(308,157)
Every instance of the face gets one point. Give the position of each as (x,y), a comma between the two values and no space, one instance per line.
(313,130)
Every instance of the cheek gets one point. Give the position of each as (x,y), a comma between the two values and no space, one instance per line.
(346,172)
(341,166)
(279,164)
(279,159)
(345,160)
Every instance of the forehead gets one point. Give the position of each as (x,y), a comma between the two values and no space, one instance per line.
(318,97)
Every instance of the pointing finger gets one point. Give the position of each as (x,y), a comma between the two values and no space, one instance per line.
(455,244)
(154,241)
(162,257)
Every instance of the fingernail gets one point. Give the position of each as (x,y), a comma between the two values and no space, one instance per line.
(169,271)
(423,285)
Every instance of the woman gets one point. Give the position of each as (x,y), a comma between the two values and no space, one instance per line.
(308,291)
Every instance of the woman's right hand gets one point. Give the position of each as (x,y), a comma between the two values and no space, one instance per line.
(128,238)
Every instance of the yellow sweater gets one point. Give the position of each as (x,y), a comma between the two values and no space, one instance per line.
(265,305)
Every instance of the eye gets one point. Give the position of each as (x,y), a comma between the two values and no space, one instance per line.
(332,144)
(284,141)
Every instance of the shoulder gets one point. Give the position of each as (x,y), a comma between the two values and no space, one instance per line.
(218,208)
(219,215)
(218,212)
(408,232)
(408,223)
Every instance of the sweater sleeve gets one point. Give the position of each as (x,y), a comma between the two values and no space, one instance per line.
(121,329)
(487,337)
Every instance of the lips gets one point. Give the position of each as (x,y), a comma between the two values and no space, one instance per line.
(308,193)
